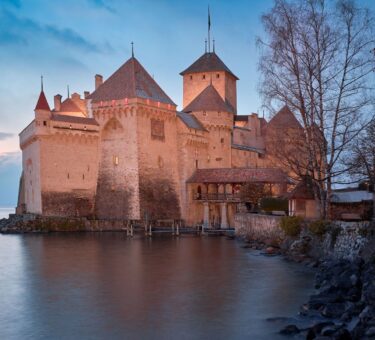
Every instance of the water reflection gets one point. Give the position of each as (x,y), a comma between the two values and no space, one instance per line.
(107,286)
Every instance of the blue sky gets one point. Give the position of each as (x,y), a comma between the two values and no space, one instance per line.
(70,41)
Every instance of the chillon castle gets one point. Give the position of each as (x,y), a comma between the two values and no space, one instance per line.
(124,152)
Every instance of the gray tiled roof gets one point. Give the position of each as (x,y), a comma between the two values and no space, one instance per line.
(209,100)
(190,121)
(72,119)
(131,80)
(208,62)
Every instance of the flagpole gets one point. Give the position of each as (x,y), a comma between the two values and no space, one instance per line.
(209,28)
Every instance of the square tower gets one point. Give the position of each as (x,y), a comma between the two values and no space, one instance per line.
(209,69)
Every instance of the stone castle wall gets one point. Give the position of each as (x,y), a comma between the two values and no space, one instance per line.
(69,168)
(31,181)
(159,186)
(117,186)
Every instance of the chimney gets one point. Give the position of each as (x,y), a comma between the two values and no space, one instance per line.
(57,102)
(86,94)
(98,81)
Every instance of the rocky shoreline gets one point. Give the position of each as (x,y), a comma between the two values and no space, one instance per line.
(343,306)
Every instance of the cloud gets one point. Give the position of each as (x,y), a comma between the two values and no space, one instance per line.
(18,30)
(7,158)
(102,4)
(5,135)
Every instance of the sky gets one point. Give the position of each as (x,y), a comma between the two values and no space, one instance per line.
(70,41)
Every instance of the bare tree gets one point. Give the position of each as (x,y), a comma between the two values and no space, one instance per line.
(316,59)
(361,164)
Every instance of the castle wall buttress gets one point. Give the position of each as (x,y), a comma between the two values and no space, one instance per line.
(159,186)
(117,195)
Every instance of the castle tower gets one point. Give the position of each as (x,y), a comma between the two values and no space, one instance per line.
(138,146)
(209,69)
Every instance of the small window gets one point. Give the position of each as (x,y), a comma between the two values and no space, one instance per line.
(83,176)
(260,155)
(222,140)
(70,126)
(68,175)
(191,77)
(196,164)
(44,123)
(204,76)
(217,75)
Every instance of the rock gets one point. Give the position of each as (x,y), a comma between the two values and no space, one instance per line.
(333,310)
(354,279)
(371,332)
(317,328)
(290,330)
(271,251)
(329,330)
(310,334)
(342,334)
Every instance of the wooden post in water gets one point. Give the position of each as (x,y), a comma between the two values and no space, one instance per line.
(150,232)
(173,228)
(178,229)
(131,230)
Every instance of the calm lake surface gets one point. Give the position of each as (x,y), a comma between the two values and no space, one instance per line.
(105,286)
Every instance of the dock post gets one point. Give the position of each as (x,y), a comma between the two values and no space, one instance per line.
(173,228)
(178,229)
(131,230)
(150,232)
(127,228)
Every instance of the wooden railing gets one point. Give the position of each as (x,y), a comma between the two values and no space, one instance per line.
(224,197)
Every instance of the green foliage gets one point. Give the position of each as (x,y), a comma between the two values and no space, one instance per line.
(291,225)
(318,227)
(273,204)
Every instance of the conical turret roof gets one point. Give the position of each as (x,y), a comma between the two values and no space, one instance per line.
(42,103)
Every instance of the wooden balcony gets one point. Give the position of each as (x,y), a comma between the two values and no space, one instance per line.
(217,197)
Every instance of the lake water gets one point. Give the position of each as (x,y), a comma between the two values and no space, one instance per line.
(5,211)
(105,286)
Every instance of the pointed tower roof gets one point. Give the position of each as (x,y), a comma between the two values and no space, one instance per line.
(42,103)
(209,100)
(284,119)
(208,62)
(131,80)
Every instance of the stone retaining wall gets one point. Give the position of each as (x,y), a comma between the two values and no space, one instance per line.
(262,228)
(346,240)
